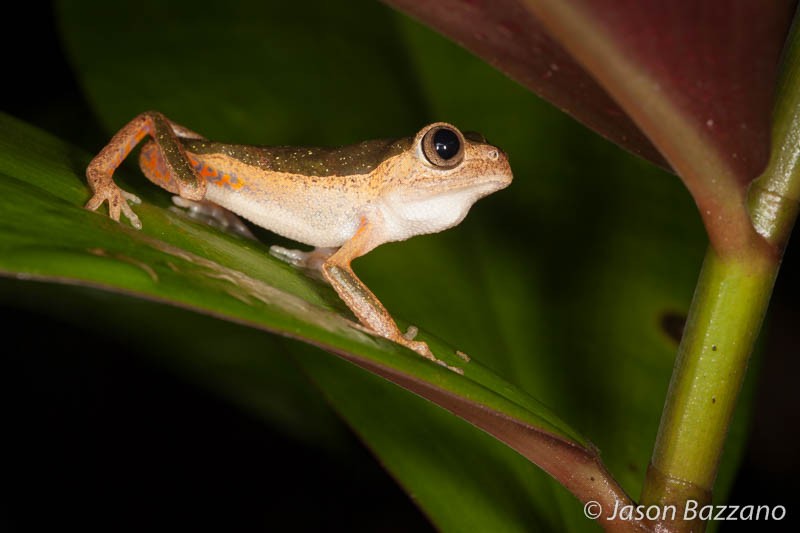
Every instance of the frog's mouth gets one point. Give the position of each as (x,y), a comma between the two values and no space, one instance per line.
(487,185)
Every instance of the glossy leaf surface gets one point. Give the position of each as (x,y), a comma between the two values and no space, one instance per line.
(578,259)
(180,262)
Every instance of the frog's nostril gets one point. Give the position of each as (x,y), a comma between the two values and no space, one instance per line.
(493,154)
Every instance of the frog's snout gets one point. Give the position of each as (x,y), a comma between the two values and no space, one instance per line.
(503,169)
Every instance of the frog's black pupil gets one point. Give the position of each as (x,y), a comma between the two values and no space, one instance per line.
(446,143)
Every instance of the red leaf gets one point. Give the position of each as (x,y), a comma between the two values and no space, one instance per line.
(507,36)
(693,79)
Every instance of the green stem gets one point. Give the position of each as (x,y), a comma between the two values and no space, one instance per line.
(724,320)
(726,315)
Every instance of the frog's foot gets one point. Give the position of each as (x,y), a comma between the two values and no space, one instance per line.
(214,215)
(117,203)
(312,260)
(418,346)
(407,340)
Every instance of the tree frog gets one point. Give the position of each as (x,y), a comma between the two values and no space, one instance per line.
(342,201)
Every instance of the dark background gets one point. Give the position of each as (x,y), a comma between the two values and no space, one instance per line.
(99,438)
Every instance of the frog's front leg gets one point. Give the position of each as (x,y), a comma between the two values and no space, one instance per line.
(166,136)
(364,304)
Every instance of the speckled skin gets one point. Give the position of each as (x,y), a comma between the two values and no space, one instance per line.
(348,200)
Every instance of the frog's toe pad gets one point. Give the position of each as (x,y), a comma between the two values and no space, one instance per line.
(293,257)
(130,197)
(411,333)
(312,260)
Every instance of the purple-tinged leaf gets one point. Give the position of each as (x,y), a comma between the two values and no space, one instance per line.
(697,78)
(507,36)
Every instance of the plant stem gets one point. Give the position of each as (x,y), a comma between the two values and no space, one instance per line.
(724,320)
(726,315)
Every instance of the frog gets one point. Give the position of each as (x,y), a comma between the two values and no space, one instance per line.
(343,201)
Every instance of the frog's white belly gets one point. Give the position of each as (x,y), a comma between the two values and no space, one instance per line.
(322,218)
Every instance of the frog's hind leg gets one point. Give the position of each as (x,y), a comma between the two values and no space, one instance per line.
(154,167)
(166,135)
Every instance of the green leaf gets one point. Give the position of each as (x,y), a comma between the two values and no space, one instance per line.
(560,283)
(46,235)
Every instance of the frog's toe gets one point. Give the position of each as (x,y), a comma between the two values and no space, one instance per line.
(312,260)
(130,215)
(131,198)
(411,333)
(117,204)
(293,257)
(94,202)
(114,209)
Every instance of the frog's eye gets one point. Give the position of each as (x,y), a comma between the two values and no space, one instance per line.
(443,147)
